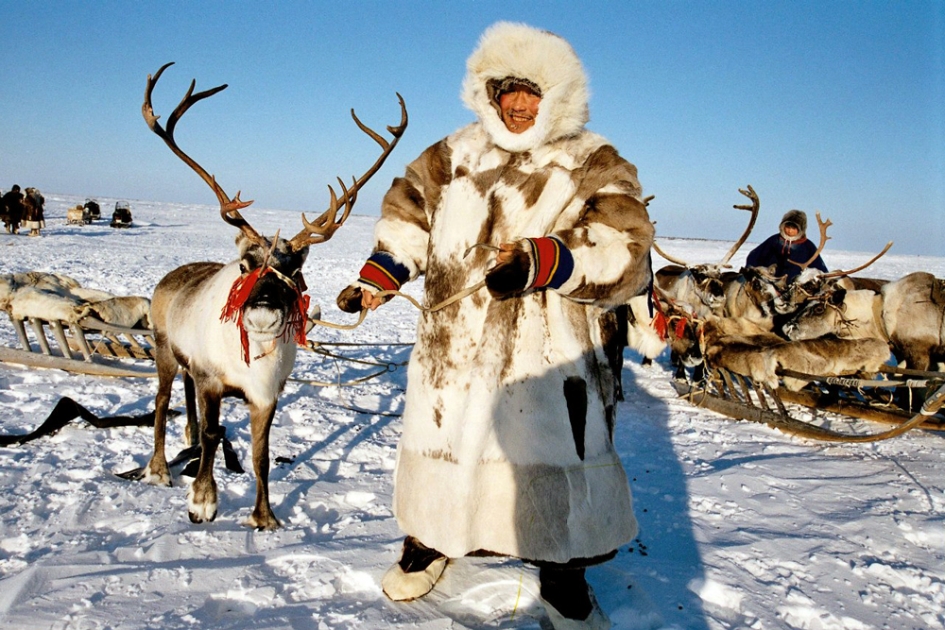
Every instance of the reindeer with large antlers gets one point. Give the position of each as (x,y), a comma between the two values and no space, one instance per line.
(701,286)
(232,329)
(812,283)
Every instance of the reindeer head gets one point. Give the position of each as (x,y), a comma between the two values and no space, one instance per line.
(267,295)
(707,277)
(764,288)
(822,315)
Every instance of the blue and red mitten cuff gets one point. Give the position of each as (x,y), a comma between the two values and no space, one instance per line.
(551,262)
(383,273)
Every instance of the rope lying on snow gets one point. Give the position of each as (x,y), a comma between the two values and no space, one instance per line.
(66,410)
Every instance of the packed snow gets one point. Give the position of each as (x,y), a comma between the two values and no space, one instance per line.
(740,526)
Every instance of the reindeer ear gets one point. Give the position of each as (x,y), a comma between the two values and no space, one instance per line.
(837,297)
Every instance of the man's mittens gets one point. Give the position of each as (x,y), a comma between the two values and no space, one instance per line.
(349,300)
(537,263)
(510,278)
(383,272)
(552,262)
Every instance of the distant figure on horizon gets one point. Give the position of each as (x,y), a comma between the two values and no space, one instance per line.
(788,246)
(33,216)
(12,209)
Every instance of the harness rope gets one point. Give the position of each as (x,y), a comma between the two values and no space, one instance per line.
(426,309)
(392,293)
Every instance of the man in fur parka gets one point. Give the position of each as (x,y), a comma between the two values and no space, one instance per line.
(507,443)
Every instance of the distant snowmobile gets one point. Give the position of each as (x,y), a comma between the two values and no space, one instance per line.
(121,217)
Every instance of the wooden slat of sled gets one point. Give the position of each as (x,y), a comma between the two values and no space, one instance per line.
(740,411)
(60,336)
(856,410)
(108,341)
(94,368)
(40,333)
(21,333)
(78,339)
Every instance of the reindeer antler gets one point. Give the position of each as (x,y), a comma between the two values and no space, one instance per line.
(837,274)
(754,207)
(677,261)
(823,225)
(322,228)
(229,208)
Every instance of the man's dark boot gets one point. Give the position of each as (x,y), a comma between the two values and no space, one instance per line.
(569,600)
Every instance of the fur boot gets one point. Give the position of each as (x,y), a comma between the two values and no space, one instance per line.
(415,574)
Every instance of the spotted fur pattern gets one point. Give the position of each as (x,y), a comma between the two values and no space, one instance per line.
(507,439)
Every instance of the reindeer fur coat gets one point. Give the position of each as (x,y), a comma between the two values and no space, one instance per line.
(509,417)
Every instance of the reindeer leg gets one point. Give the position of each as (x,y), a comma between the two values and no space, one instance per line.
(156,472)
(202,500)
(260,422)
(191,433)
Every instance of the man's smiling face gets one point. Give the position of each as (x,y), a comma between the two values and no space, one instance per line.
(519,108)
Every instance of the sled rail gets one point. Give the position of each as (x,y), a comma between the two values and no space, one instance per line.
(89,346)
(737,397)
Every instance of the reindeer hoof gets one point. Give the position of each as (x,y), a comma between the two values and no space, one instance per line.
(156,477)
(201,517)
(261,523)
(202,503)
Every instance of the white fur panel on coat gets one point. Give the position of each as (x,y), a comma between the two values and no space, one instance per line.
(488,458)
(507,428)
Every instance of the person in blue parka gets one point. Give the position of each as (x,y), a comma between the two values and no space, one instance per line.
(788,246)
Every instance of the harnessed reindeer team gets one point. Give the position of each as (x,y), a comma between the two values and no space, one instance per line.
(735,337)
(751,338)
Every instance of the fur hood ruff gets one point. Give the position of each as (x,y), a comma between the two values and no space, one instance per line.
(543,58)
(798,218)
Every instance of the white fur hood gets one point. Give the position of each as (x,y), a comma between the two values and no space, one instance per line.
(541,57)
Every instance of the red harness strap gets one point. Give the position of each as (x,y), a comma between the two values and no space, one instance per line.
(240,292)
(660,323)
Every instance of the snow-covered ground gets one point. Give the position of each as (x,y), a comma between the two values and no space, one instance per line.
(741,526)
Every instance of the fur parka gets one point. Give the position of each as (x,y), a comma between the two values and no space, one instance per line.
(786,253)
(507,442)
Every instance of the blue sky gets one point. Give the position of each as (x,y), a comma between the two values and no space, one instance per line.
(836,106)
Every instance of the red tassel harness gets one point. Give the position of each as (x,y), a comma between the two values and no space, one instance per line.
(660,323)
(239,293)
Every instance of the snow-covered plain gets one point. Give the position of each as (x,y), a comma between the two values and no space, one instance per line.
(741,526)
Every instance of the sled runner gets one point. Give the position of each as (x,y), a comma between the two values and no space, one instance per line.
(890,397)
(89,346)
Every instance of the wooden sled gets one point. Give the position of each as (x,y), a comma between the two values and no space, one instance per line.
(89,346)
(737,397)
